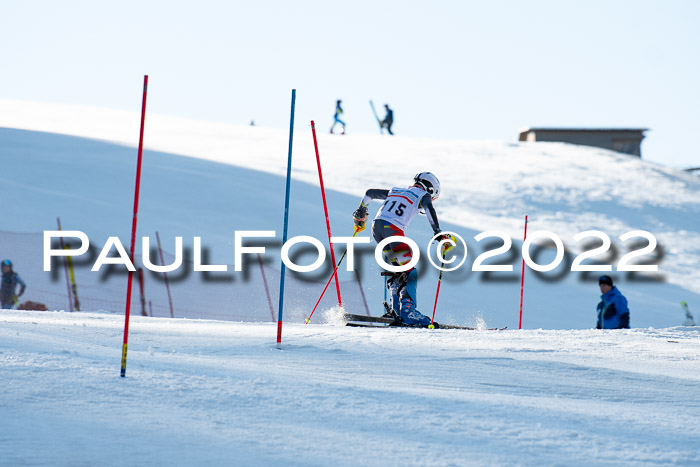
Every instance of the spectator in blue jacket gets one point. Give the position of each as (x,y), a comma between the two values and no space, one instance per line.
(612,310)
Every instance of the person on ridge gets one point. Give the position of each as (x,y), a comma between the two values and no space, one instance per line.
(336,117)
(399,208)
(613,312)
(10,281)
(388,119)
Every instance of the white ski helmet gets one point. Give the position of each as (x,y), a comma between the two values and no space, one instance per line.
(429,182)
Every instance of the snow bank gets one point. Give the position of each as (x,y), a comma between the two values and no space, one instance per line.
(208,392)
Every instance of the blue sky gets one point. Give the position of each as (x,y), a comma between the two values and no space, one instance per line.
(466,70)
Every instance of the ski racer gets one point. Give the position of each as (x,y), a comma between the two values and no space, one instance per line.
(10,281)
(399,208)
(612,310)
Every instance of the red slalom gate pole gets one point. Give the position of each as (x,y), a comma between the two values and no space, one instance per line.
(133,227)
(325,211)
(329,280)
(165,276)
(522,281)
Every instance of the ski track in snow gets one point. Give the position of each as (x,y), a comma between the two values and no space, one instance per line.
(208,392)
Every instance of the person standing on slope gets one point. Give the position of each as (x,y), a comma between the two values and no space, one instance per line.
(10,281)
(388,119)
(400,207)
(612,309)
(336,117)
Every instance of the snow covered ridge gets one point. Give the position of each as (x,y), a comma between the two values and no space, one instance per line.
(205,392)
(565,189)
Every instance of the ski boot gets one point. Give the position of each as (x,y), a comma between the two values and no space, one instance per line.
(391,313)
(395,281)
(403,293)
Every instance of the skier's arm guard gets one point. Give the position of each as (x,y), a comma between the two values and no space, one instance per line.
(373,193)
(360,214)
(427,204)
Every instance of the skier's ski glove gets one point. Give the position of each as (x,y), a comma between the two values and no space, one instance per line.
(360,218)
(450,242)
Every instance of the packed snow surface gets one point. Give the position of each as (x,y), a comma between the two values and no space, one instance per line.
(220,393)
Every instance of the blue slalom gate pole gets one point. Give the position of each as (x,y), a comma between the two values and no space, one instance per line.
(286,220)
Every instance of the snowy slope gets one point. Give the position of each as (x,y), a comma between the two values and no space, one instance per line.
(232,178)
(218,393)
(204,392)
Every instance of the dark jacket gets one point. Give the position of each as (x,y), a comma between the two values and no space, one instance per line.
(10,281)
(389,117)
(612,311)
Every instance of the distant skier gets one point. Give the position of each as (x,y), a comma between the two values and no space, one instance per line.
(399,208)
(336,117)
(10,281)
(388,119)
(613,312)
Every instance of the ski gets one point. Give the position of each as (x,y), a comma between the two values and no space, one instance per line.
(441,326)
(392,322)
(367,319)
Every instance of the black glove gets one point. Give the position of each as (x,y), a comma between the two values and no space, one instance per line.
(451,241)
(360,218)
(441,236)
